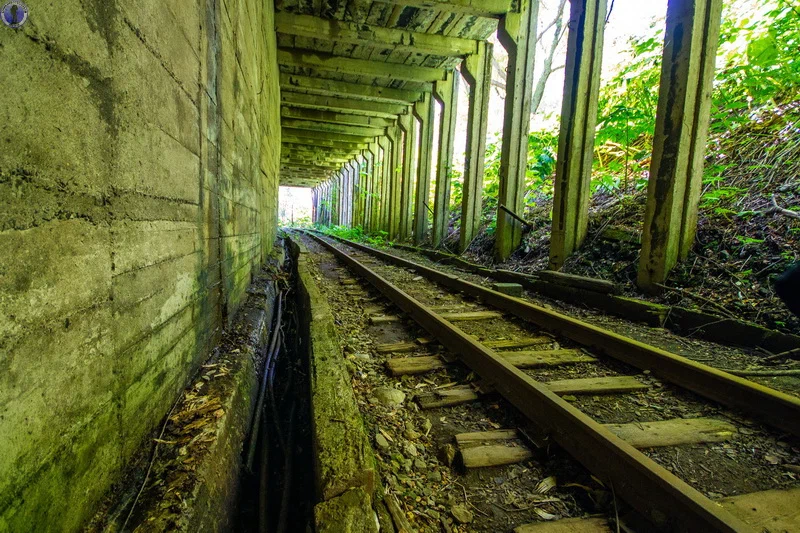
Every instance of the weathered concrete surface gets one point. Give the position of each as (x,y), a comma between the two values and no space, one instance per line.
(207,499)
(343,454)
(349,513)
(138,185)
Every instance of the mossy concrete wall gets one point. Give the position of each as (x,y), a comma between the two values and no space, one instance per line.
(139,155)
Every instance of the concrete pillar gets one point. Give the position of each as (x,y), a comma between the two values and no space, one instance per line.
(424,112)
(477,71)
(517,34)
(446,92)
(375,166)
(335,201)
(679,143)
(578,122)
(385,175)
(395,181)
(314,204)
(408,127)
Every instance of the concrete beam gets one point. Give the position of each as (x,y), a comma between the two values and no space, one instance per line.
(343,105)
(326,87)
(357,131)
(333,117)
(478,8)
(304,145)
(679,142)
(288,132)
(477,71)
(578,122)
(375,36)
(446,92)
(358,67)
(517,34)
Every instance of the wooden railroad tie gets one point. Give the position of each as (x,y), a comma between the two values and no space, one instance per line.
(606,385)
(400,366)
(452,317)
(503,447)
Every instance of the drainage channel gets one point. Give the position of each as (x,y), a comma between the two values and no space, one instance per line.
(277,460)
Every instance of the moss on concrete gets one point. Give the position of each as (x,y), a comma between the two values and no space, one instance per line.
(343,454)
(139,181)
(349,513)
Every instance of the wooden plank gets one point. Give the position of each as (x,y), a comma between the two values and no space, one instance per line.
(397,347)
(383,319)
(479,437)
(447,397)
(517,343)
(494,455)
(471,315)
(605,385)
(769,510)
(673,432)
(567,525)
(543,358)
(403,366)
(452,317)
(579,282)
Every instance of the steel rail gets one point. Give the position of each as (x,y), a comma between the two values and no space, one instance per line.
(768,405)
(667,501)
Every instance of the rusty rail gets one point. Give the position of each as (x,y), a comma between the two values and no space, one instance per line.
(767,405)
(667,501)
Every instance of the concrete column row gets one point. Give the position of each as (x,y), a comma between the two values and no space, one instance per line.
(389,189)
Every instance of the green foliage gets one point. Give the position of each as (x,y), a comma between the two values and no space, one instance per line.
(381,238)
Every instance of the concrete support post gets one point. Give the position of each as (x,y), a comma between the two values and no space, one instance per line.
(517,34)
(679,143)
(374,150)
(357,185)
(408,127)
(335,201)
(385,174)
(446,92)
(578,122)
(477,71)
(424,112)
(395,181)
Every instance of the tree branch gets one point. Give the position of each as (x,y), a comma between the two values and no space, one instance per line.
(775,208)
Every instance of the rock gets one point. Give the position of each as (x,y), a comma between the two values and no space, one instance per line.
(361,356)
(389,396)
(426,426)
(435,476)
(410,450)
(419,464)
(410,433)
(381,441)
(447,454)
(461,514)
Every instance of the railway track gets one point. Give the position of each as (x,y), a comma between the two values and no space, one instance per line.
(567,410)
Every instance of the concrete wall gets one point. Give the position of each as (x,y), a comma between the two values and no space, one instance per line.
(139,155)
